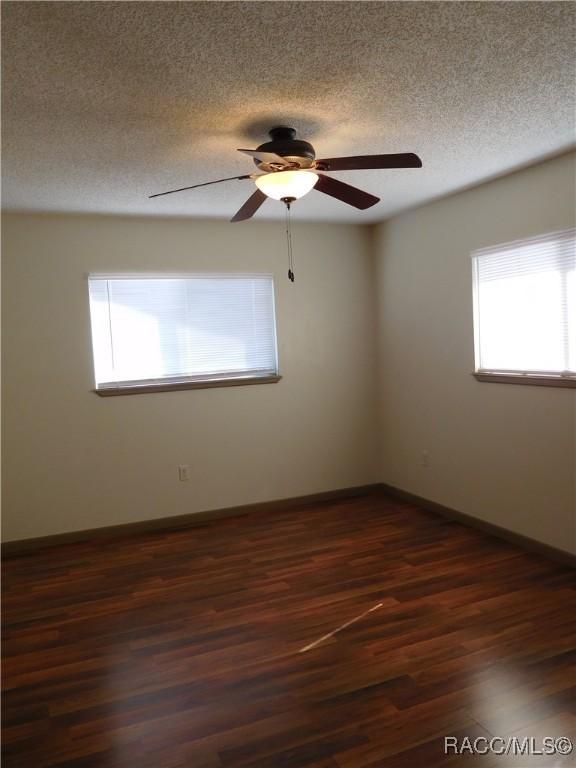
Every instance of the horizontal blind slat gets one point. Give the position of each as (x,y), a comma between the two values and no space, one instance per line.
(156,328)
(525,299)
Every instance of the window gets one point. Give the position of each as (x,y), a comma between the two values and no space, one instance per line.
(525,310)
(181,331)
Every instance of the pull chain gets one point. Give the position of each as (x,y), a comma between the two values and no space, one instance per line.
(289,241)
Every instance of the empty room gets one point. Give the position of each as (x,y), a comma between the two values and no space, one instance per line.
(288,384)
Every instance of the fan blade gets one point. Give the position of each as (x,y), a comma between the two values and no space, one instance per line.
(366,162)
(204,184)
(250,206)
(345,192)
(266,157)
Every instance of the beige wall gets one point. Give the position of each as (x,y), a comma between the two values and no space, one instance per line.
(502,453)
(73,460)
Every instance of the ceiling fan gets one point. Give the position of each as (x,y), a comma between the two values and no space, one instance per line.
(289,170)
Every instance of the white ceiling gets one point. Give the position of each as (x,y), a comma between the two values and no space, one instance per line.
(105,103)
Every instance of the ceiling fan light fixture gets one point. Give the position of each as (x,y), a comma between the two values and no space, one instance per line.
(290,184)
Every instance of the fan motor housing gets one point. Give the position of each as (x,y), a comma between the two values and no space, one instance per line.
(284,143)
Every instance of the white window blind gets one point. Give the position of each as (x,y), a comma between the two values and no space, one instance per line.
(162,329)
(525,306)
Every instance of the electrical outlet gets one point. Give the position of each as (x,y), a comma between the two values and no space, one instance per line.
(183,472)
(424,459)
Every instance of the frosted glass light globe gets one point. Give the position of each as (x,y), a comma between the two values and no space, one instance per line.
(281,184)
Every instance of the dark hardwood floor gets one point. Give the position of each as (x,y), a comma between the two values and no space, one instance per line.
(184,648)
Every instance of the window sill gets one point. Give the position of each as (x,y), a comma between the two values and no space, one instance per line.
(174,386)
(533,381)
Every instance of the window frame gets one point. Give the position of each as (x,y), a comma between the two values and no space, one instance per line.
(503,376)
(178,383)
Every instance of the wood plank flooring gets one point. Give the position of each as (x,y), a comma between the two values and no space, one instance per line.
(183,649)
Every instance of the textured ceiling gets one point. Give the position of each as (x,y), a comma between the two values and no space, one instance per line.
(105,103)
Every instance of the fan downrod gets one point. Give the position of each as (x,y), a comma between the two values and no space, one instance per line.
(282,133)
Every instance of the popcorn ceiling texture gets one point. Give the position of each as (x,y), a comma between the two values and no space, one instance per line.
(105,103)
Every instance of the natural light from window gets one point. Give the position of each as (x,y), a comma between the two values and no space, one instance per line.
(149,329)
(525,307)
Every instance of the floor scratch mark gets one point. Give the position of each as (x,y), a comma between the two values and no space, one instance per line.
(338,629)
